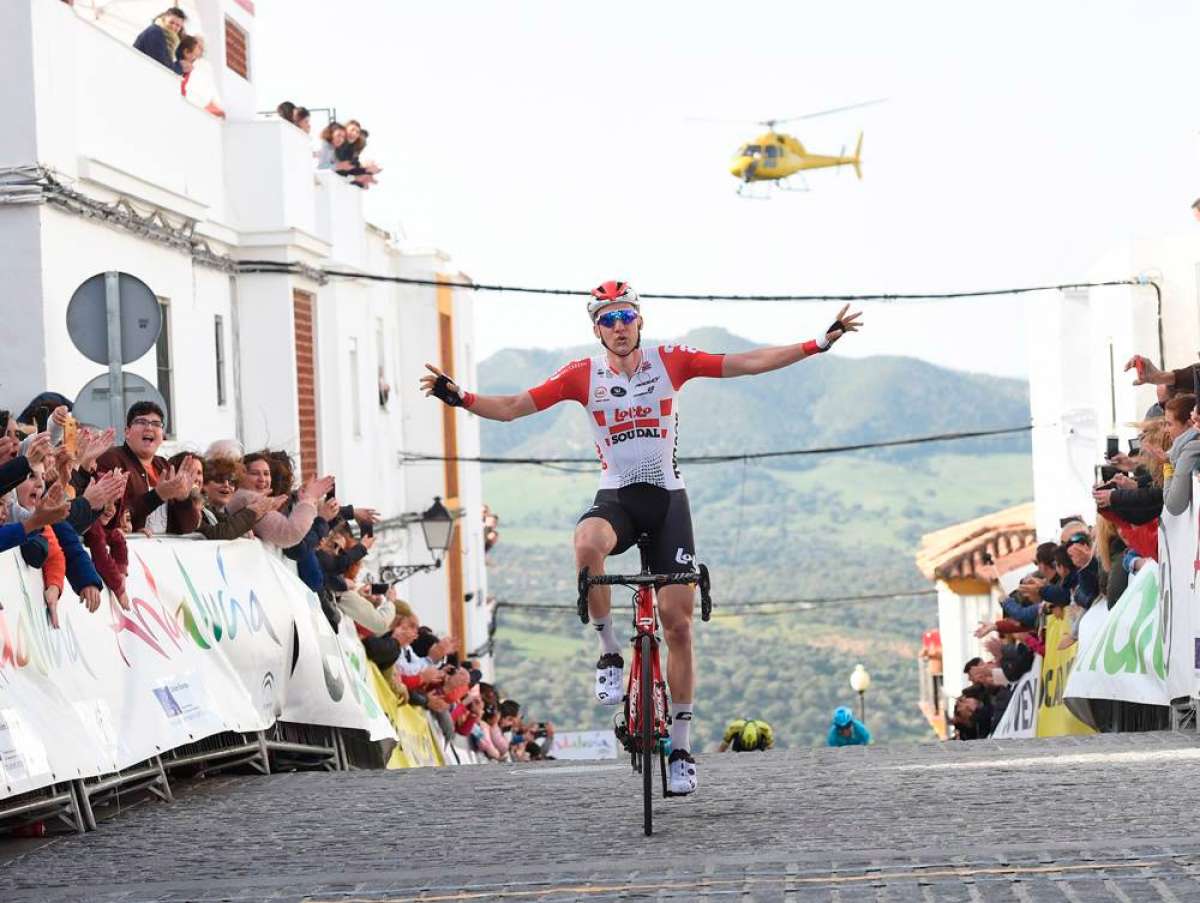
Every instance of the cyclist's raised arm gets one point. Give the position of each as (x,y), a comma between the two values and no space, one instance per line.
(763,360)
(568,384)
(493,407)
(502,407)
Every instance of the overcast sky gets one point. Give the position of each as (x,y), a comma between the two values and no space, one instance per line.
(548,144)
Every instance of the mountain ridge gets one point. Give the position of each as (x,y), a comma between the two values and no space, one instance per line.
(826,401)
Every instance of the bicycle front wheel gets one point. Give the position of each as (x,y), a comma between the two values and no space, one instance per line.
(648,739)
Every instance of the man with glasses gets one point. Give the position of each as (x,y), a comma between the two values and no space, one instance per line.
(629,394)
(151,481)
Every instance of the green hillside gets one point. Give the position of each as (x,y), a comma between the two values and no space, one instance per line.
(826,401)
(825,526)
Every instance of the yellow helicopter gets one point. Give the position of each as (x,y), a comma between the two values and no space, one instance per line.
(773,158)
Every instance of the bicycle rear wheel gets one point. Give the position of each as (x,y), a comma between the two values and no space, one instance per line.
(648,711)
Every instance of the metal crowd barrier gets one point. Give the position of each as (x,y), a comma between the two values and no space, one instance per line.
(284,747)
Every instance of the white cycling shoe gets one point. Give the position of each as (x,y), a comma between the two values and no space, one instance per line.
(610,679)
(681,774)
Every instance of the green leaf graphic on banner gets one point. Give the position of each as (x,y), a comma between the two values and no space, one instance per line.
(1131,658)
(190,625)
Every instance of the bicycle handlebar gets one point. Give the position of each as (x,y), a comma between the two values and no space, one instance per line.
(699,577)
(643,579)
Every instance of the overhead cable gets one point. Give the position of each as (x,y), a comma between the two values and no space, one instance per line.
(752,607)
(418,457)
(274,266)
(35,184)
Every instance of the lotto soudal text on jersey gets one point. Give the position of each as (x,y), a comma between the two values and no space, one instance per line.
(634,420)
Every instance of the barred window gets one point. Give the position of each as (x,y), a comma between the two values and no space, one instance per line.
(237,54)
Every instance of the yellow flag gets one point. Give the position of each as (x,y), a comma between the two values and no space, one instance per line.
(1054,719)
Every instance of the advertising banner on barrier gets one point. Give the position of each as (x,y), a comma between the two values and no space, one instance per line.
(1178,618)
(330,681)
(1020,718)
(1054,719)
(584,745)
(1124,660)
(212,642)
(416,744)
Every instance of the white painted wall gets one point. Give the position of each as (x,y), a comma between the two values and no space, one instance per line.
(81,100)
(958,616)
(1079,342)
(269,177)
(109,114)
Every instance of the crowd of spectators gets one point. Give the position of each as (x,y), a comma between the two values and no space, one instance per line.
(68,491)
(339,150)
(340,145)
(427,670)
(166,41)
(1092,565)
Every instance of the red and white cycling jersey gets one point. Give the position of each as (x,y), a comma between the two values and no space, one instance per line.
(634,420)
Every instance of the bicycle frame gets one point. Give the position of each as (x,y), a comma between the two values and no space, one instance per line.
(645,622)
(647,719)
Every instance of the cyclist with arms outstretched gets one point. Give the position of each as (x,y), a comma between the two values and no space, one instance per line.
(629,394)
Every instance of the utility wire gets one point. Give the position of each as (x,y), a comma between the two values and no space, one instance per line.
(273,266)
(418,457)
(731,609)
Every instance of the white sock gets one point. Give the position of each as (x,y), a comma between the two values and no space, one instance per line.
(608,638)
(681,726)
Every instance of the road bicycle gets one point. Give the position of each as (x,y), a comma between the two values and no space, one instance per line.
(645,732)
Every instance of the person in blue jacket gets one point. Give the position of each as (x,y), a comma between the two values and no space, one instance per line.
(160,38)
(847,730)
(50,509)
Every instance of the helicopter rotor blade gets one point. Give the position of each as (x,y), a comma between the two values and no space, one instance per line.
(771,123)
(711,120)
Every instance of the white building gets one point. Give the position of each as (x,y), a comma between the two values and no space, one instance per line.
(1079,342)
(107,167)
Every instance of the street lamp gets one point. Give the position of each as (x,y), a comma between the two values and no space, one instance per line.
(438,526)
(860,680)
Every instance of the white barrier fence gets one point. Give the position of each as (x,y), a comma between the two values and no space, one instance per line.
(221,636)
(1144,649)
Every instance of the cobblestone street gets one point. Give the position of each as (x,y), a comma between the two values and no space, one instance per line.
(1101,818)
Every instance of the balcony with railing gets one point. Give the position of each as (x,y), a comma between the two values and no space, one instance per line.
(105,113)
(113,122)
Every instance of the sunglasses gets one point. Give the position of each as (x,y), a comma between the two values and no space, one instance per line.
(610,319)
(1076,539)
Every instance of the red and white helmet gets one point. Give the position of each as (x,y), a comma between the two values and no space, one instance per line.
(612,292)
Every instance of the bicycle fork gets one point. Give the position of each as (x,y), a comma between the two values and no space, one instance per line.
(647,664)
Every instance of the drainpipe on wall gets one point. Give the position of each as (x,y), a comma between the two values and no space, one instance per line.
(1151,279)
(236,353)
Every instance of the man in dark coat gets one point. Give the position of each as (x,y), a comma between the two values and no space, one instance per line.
(160,38)
(151,481)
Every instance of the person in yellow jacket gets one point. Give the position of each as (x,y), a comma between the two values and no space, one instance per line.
(745,735)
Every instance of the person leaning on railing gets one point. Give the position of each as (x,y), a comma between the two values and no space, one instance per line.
(81,573)
(161,37)
(152,482)
(290,524)
(110,552)
(199,83)
(221,477)
(1184,456)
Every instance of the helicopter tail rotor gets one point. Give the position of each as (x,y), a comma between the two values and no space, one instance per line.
(858,156)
